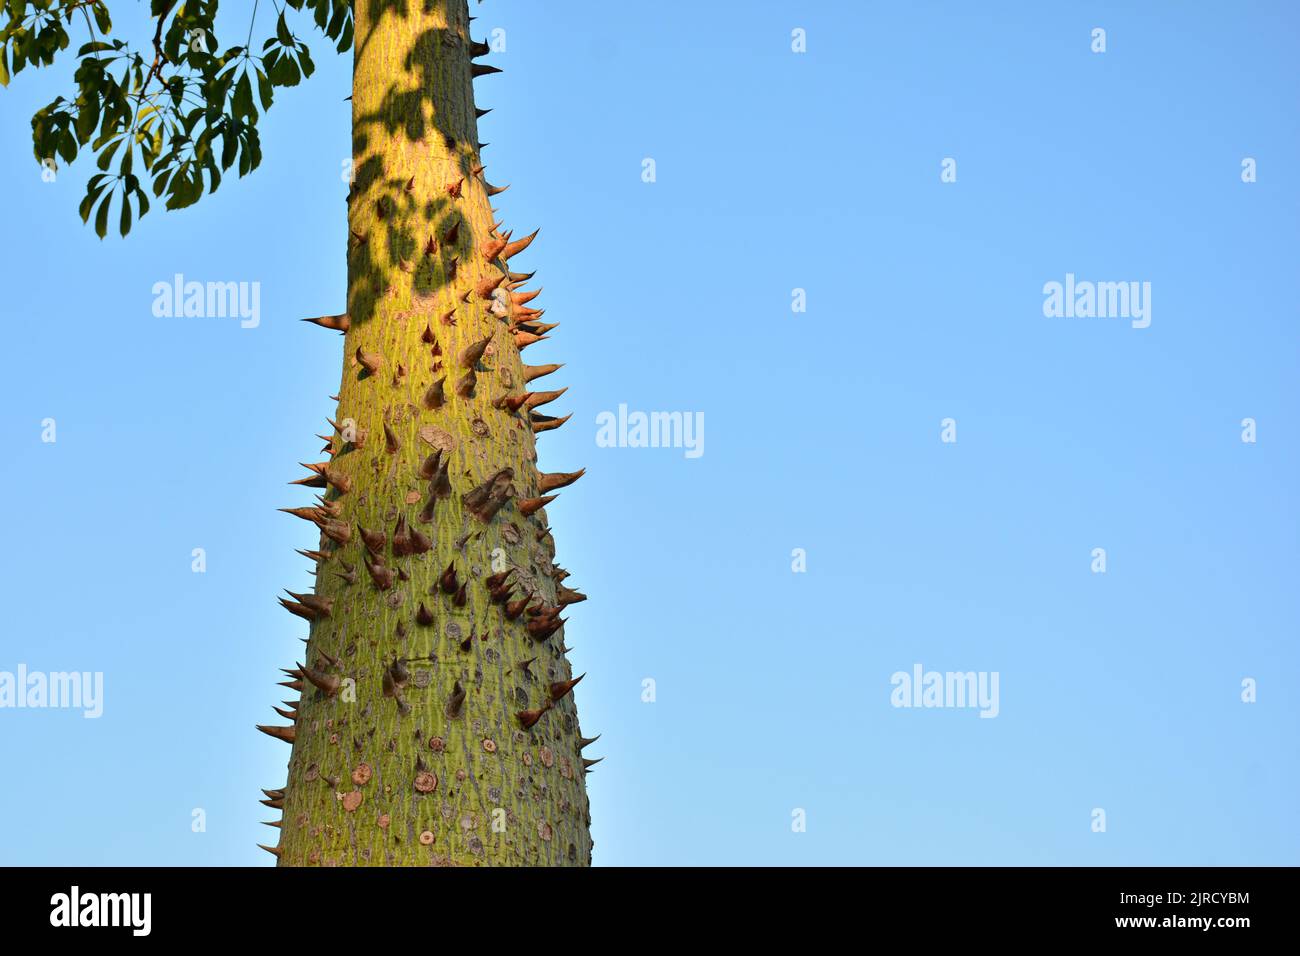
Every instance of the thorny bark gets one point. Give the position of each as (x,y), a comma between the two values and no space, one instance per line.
(422,735)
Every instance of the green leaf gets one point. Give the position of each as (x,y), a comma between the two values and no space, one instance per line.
(264,90)
(241,104)
(106,156)
(102,19)
(229,147)
(338,21)
(150,145)
(94,188)
(101,217)
(124,222)
(185,189)
(67,147)
(251,157)
(107,126)
(284,72)
(282,31)
(160,183)
(87,119)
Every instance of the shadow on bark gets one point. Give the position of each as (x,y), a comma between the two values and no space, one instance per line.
(411,224)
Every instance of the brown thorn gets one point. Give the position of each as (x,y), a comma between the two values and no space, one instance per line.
(559,479)
(488,286)
(472,353)
(287,734)
(434,397)
(527,718)
(518,246)
(372,362)
(528,506)
(335,323)
(536,399)
(525,339)
(562,687)
(486,500)
(455,701)
(544,423)
(448,581)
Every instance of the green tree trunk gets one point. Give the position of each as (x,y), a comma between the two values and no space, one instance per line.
(435,723)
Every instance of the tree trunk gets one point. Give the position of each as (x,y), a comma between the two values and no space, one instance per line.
(422,734)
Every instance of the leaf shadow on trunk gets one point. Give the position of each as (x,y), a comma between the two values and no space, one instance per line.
(412,223)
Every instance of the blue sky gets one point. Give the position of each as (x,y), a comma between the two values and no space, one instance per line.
(775,171)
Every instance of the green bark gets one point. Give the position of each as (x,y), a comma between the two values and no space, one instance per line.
(361,785)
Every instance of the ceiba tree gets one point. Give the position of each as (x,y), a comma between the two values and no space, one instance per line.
(433,721)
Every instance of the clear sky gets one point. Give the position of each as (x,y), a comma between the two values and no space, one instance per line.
(775,171)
